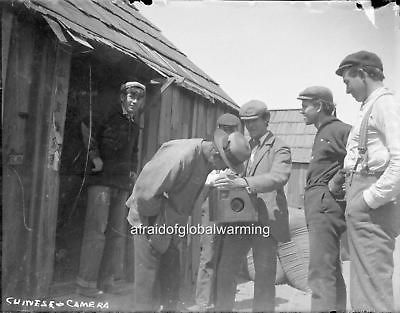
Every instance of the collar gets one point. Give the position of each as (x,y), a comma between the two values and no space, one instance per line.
(126,115)
(266,139)
(371,98)
(328,119)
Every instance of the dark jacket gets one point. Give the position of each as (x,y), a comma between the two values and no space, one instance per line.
(328,152)
(115,141)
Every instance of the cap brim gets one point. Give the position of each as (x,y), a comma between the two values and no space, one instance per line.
(253,117)
(341,69)
(128,85)
(304,98)
(219,137)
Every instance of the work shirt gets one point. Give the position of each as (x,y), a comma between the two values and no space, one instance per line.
(383,146)
(255,145)
(328,151)
(170,182)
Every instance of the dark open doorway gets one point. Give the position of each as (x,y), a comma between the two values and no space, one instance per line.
(93,91)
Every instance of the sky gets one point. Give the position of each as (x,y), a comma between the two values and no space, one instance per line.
(272,50)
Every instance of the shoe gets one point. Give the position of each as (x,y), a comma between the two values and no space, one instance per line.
(89,292)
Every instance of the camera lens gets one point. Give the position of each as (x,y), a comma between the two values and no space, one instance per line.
(237,204)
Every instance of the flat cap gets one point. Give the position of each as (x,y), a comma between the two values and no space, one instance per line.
(252,110)
(228,119)
(360,58)
(316,93)
(132,84)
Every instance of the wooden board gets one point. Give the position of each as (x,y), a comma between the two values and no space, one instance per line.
(34,100)
(164,133)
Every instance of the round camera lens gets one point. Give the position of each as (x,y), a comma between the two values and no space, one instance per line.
(237,204)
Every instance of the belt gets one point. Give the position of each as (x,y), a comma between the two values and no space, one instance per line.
(308,187)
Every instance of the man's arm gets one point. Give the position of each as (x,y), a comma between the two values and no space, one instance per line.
(157,177)
(387,114)
(90,142)
(277,177)
(336,183)
(272,180)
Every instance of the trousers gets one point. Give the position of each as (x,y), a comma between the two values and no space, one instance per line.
(104,236)
(209,257)
(234,250)
(325,222)
(371,237)
(157,276)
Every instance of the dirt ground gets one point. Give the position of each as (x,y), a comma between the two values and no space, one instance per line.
(288,299)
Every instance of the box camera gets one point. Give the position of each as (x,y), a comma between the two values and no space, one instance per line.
(232,205)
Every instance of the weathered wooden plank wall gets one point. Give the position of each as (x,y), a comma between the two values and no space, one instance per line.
(35,98)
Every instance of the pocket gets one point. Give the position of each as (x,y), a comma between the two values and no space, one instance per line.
(325,203)
(357,210)
(313,199)
(329,204)
(333,212)
(388,217)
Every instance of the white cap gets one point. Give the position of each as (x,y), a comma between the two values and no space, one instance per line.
(133,84)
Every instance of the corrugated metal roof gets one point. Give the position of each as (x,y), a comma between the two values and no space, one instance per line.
(121,26)
(290,127)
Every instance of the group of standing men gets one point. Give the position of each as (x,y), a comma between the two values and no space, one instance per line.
(364,158)
(362,162)
(352,183)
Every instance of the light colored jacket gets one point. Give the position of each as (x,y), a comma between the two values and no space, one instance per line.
(168,186)
(268,174)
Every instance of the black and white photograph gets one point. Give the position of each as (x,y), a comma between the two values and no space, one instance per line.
(200,156)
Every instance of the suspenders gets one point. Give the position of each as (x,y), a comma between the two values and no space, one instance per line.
(362,143)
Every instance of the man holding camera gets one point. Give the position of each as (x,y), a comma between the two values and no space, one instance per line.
(267,171)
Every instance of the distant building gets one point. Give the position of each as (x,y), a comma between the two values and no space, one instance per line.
(289,126)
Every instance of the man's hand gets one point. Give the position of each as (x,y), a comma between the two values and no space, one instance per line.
(230,183)
(364,203)
(98,164)
(337,184)
(336,189)
(134,217)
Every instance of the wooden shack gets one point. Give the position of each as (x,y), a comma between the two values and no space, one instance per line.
(288,124)
(62,60)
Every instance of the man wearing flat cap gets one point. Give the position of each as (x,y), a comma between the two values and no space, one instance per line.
(266,173)
(323,205)
(164,196)
(211,243)
(372,165)
(113,148)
